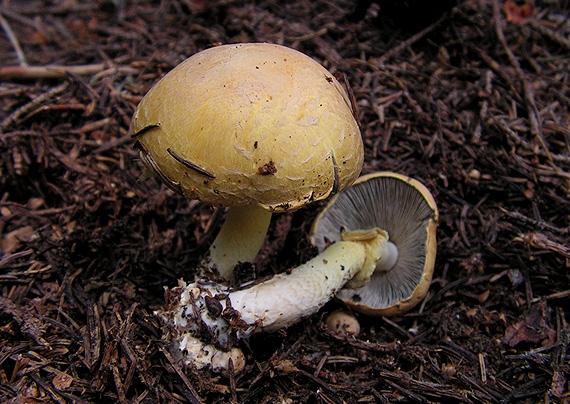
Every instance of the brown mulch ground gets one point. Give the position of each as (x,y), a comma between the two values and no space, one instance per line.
(473,101)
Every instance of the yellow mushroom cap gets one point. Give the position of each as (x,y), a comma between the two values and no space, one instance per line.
(250,123)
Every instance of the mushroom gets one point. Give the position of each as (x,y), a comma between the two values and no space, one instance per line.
(406,210)
(342,323)
(204,319)
(254,127)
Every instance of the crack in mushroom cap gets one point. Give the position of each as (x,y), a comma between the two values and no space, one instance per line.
(407,211)
(243,123)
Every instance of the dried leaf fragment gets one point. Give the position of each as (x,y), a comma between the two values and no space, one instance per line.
(267,168)
(533,328)
(12,240)
(62,381)
(519,14)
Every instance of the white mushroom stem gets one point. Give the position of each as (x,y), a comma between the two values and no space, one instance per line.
(239,239)
(389,257)
(218,316)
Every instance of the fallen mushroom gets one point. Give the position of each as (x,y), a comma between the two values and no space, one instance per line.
(206,316)
(257,128)
(406,210)
(354,251)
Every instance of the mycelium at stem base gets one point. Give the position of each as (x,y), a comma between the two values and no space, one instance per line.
(204,317)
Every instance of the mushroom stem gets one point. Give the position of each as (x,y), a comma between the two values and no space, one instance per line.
(214,312)
(239,239)
(287,298)
(389,257)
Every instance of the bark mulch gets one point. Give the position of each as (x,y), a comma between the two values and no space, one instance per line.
(471,99)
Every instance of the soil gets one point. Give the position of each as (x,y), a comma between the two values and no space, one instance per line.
(472,99)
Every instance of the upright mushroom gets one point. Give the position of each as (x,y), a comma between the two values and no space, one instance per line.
(406,210)
(254,127)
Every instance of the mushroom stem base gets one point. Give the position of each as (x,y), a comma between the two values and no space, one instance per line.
(194,352)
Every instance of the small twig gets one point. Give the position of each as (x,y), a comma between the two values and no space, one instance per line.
(496,68)
(541,241)
(118,384)
(532,353)
(402,330)
(563,158)
(536,223)
(71,164)
(417,398)
(476,138)
(322,385)
(527,88)
(232,377)
(14,41)
(112,144)
(194,398)
(32,104)
(411,40)
(551,34)
(51,392)
(310,35)
(141,397)
(552,296)
(7,259)
(558,357)
(320,365)
(482,368)
(92,334)
(64,8)
(57,71)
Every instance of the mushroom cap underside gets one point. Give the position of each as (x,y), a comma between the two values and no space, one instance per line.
(407,211)
(250,123)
